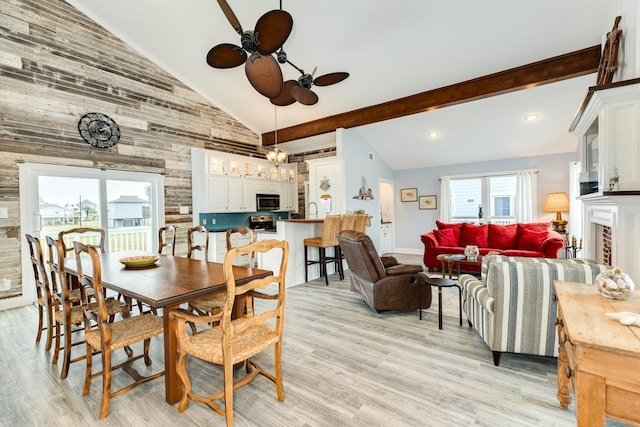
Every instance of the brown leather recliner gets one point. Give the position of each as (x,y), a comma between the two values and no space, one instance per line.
(382,282)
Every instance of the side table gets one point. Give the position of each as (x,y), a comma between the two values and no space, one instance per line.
(441,283)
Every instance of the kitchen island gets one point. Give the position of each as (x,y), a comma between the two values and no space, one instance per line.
(294,231)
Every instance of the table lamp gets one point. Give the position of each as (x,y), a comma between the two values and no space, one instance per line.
(557,202)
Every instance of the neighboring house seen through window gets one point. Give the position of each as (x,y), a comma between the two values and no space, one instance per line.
(497,199)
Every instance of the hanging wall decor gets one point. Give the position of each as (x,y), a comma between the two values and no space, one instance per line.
(324,184)
(408,194)
(428,202)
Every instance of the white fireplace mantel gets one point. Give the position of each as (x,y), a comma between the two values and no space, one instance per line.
(620,212)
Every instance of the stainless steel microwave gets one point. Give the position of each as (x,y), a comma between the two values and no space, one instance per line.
(268,202)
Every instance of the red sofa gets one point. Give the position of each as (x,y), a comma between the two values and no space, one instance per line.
(530,240)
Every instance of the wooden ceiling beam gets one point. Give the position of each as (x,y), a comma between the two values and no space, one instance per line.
(550,70)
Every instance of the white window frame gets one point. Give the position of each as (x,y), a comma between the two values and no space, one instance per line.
(28,179)
(447,204)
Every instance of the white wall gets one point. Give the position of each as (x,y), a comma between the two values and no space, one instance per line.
(360,159)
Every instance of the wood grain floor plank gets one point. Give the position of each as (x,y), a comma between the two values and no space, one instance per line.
(343,364)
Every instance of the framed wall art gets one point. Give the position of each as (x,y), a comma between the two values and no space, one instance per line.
(408,194)
(428,202)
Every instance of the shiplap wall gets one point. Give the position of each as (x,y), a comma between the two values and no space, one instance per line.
(50,75)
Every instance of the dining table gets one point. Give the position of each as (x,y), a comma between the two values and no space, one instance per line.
(166,284)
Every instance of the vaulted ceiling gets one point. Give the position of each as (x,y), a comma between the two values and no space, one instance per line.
(392,50)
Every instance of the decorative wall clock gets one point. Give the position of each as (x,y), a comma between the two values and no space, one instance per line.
(99,130)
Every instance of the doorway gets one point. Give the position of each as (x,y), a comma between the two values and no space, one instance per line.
(387,206)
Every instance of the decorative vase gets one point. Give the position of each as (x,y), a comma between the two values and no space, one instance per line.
(471,252)
(615,284)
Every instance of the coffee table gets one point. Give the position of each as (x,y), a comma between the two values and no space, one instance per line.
(450,260)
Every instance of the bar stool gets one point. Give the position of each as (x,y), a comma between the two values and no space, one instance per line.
(360,223)
(348,223)
(329,239)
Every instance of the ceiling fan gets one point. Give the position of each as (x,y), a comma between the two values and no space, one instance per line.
(262,69)
(300,90)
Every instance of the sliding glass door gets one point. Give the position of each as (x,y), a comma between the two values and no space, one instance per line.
(129,206)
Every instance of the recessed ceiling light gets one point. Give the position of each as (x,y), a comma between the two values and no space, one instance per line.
(433,134)
(531,117)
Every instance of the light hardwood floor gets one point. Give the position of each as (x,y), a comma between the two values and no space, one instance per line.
(344,365)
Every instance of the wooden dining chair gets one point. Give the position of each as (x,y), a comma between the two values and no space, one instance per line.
(241,231)
(237,340)
(105,337)
(212,304)
(69,307)
(167,239)
(195,234)
(44,296)
(90,236)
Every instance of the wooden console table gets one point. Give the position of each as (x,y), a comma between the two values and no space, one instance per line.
(598,356)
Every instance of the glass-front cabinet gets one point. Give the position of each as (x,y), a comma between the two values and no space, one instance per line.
(217,164)
(224,182)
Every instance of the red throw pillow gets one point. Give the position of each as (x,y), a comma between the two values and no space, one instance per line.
(445,237)
(456,227)
(503,236)
(531,240)
(475,235)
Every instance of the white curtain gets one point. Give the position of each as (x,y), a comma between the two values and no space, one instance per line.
(526,195)
(445,211)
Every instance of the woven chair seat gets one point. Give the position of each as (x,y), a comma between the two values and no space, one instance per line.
(208,303)
(128,331)
(316,241)
(77,311)
(207,344)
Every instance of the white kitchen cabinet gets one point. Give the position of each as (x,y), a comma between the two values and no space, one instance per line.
(386,238)
(216,194)
(242,195)
(223,182)
(609,139)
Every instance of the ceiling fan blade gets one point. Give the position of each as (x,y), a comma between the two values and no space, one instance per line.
(226,55)
(264,74)
(304,95)
(330,79)
(231,17)
(285,98)
(272,30)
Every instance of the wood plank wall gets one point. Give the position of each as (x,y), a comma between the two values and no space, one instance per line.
(50,75)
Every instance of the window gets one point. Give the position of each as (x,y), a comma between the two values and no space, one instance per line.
(489,198)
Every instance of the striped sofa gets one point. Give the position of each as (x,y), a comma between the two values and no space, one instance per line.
(511,305)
